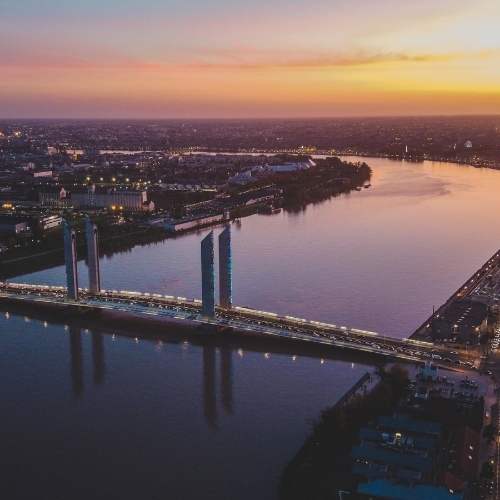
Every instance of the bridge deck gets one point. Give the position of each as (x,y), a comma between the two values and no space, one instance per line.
(241,319)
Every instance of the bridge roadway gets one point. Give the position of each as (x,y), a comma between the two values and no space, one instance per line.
(241,319)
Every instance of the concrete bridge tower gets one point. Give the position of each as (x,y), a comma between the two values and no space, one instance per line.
(92,238)
(70,259)
(225,269)
(207,275)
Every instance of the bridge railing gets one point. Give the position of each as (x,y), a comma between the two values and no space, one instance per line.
(235,310)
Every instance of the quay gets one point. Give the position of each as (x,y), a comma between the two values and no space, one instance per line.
(469,290)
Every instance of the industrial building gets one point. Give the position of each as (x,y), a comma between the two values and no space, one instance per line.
(136,201)
(176,226)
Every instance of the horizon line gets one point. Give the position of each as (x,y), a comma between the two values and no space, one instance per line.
(254,118)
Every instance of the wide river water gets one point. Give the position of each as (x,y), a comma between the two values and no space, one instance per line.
(87,414)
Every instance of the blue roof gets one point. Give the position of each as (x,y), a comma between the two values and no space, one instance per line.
(391,457)
(394,491)
(418,442)
(402,423)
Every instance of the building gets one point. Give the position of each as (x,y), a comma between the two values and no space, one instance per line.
(47,222)
(286,168)
(42,173)
(71,261)
(123,200)
(398,447)
(242,178)
(387,490)
(175,226)
(208,275)
(92,238)
(225,269)
(114,199)
(11,225)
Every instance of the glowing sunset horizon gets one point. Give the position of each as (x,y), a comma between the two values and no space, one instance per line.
(223,59)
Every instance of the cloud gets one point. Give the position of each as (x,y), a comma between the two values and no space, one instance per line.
(236,59)
(68,62)
(330,61)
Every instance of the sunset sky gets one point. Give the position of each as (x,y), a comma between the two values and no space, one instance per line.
(248,58)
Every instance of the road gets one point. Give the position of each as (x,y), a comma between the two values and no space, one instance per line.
(243,320)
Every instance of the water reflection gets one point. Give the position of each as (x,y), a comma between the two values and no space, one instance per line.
(212,394)
(226,383)
(209,393)
(217,374)
(98,357)
(76,357)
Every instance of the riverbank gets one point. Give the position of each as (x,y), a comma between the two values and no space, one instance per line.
(322,467)
(330,178)
(38,261)
(346,153)
(423,332)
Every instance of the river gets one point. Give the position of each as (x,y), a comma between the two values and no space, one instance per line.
(88,414)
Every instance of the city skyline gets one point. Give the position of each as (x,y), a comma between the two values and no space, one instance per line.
(231,60)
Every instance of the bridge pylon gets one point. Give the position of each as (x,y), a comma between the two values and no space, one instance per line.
(71,260)
(225,269)
(92,238)
(207,276)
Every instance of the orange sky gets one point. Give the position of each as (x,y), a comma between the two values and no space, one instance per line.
(223,59)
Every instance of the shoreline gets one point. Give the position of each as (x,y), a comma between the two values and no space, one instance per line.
(340,154)
(457,295)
